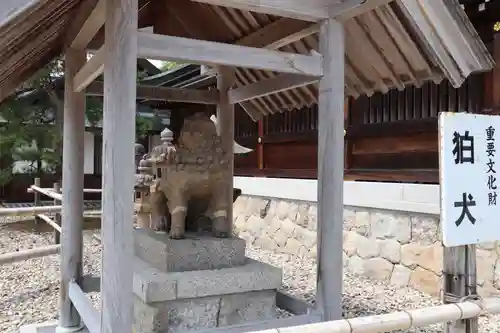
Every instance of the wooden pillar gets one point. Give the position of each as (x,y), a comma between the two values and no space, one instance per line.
(225,124)
(57,217)
(491,81)
(330,171)
(260,144)
(120,73)
(496,74)
(36,199)
(72,181)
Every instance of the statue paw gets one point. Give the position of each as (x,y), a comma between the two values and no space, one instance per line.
(221,234)
(176,234)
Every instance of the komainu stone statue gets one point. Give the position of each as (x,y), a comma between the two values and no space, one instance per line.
(190,179)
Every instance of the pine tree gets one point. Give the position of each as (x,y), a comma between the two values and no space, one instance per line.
(32,124)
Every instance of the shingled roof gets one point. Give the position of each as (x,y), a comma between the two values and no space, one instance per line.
(400,42)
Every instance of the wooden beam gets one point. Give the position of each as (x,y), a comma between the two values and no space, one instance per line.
(89,71)
(251,111)
(361,8)
(279,33)
(292,304)
(164,94)
(120,72)
(274,36)
(285,31)
(29,211)
(145,9)
(72,197)
(154,46)
(424,28)
(22,255)
(311,10)
(88,20)
(50,222)
(90,316)
(330,171)
(269,86)
(45,191)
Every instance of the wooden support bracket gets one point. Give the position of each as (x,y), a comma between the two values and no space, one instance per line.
(89,71)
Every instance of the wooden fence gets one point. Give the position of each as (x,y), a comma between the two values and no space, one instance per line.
(39,213)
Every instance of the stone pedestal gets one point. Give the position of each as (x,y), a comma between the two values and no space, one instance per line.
(199,282)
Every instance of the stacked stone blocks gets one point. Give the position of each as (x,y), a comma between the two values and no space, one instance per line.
(400,248)
(199,282)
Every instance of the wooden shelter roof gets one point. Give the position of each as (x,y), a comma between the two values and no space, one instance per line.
(400,42)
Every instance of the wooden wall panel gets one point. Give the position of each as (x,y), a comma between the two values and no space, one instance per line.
(413,143)
(293,155)
(246,161)
(391,137)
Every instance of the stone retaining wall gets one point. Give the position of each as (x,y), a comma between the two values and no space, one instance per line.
(399,248)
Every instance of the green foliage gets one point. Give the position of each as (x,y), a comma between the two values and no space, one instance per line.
(93,110)
(24,135)
(142,126)
(30,131)
(169,65)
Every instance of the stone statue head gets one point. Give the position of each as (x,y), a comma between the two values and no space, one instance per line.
(197,131)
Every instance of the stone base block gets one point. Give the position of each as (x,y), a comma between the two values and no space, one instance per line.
(192,300)
(205,312)
(195,252)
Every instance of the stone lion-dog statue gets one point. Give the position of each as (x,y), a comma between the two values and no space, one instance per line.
(191,180)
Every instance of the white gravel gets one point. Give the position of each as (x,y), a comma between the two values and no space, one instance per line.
(29,290)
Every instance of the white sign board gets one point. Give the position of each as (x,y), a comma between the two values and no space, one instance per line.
(469,174)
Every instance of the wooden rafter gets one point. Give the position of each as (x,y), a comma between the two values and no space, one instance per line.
(311,10)
(89,20)
(269,86)
(164,94)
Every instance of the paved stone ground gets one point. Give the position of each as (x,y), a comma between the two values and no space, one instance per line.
(29,290)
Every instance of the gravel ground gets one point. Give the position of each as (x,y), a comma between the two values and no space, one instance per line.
(29,290)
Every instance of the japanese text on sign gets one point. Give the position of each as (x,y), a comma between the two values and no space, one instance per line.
(490,164)
(468,181)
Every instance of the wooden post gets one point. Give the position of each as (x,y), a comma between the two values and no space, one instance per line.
(459,272)
(260,144)
(36,200)
(496,74)
(471,281)
(330,171)
(225,124)
(120,74)
(72,199)
(57,219)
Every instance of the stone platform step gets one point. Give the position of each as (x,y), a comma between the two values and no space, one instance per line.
(195,252)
